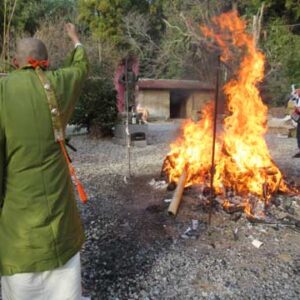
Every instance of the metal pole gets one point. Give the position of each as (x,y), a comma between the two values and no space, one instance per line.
(128,141)
(212,170)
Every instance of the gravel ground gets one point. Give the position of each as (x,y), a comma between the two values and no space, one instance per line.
(135,251)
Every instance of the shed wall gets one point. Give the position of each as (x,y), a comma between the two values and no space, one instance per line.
(157,103)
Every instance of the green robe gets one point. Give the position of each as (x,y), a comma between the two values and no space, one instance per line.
(40,228)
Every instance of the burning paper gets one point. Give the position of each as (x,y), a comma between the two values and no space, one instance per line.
(243,164)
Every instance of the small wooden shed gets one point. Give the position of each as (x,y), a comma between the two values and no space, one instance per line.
(173,99)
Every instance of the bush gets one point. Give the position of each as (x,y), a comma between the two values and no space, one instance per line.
(281,46)
(96,109)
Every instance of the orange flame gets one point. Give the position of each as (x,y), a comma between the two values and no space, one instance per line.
(242,158)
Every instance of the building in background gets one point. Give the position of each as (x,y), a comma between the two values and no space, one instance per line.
(173,99)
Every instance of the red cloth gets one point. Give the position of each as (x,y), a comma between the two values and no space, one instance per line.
(38,63)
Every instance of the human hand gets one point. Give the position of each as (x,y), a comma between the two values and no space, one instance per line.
(72,33)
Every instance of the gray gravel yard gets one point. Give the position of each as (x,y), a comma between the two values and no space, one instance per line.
(134,250)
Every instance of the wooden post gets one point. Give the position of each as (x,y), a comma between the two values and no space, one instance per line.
(212,170)
(176,200)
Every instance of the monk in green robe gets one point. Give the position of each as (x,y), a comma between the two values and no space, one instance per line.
(40,227)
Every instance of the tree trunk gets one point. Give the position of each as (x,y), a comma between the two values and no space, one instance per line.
(257,21)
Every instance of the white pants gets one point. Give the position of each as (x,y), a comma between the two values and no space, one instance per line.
(63,283)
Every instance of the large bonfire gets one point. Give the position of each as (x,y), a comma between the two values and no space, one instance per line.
(243,163)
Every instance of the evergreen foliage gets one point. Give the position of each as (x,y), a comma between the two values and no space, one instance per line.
(280,42)
(97,106)
(105,17)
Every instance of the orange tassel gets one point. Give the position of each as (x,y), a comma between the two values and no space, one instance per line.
(80,189)
(81,192)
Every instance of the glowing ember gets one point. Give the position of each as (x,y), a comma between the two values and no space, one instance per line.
(243,162)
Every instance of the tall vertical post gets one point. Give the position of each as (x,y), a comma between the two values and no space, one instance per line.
(212,170)
(128,141)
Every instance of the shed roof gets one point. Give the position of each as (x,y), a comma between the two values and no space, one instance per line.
(172,84)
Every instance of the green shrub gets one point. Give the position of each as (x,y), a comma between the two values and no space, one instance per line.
(96,109)
(281,46)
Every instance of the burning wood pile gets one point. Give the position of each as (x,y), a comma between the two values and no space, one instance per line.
(241,172)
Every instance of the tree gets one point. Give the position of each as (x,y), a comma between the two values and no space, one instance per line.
(96,109)
(104,18)
(19,18)
(59,8)
(8,11)
(182,55)
(280,41)
(283,68)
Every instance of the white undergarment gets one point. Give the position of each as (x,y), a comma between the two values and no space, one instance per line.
(63,283)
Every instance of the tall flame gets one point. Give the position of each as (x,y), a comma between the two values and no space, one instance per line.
(243,162)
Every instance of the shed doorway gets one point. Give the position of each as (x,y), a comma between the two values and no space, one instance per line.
(178,104)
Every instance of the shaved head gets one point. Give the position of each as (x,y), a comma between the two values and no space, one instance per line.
(30,47)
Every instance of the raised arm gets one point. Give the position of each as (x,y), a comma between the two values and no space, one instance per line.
(72,33)
(69,80)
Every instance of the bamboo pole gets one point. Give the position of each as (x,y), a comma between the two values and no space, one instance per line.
(257,21)
(4,31)
(8,14)
(8,29)
(176,200)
